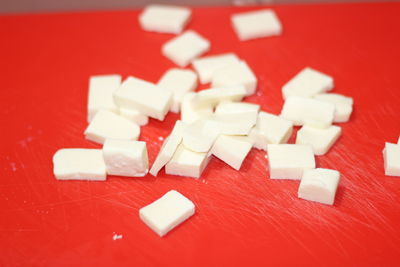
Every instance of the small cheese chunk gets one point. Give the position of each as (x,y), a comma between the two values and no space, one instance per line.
(79,164)
(134,116)
(166,213)
(228,107)
(140,95)
(233,123)
(178,82)
(164,18)
(213,96)
(302,110)
(270,129)
(391,157)
(289,161)
(307,83)
(343,105)
(107,124)
(232,149)
(235,74)
(321,140)
(190,113)
(186,162)
(199,136)
(183,49)
(168,148)
(125,158)
(207,66)
(256,24)
(101,89)
(319,185)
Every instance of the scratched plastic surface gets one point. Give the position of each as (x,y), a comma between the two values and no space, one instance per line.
(242,217)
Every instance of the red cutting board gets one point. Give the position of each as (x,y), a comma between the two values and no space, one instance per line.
(242,218)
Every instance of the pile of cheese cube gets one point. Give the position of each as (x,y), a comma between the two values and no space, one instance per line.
(214,122)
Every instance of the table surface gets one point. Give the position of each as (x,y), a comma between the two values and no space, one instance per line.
(241,217)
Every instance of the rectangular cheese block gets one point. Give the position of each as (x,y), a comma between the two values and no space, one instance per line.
(200,135)
(229,107)
(167,212)
(79,164)
(232,149)
(213,96)
(190,113)
(391,158)
(137,94)
(321,140)
(343,105)
(233,123)
(134,116)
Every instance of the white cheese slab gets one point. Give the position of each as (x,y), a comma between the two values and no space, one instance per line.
(200,135)
(343,105)
(391,158)
(321,140)
(233,123)
(134,116)
(229,107)
(213,96)
(190,113)
(232,149)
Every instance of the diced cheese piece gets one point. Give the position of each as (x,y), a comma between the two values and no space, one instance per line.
(270,129)
(79,164)
(213,96)
(134,116)
(101,89)
(307,83)
(186,162)
(232,149)
(302,110)
(233,123)
(190,113)
(166,213)
(343,105)
(183,49)
(199,136)
(140,95)
(256,24)
(107,124)
(207,66)
(319,185)
(164,18)
(289,161)
(391,157)
(321,140)
(228,107)
(125,157)
(178,82)
(235,74)
(168,148)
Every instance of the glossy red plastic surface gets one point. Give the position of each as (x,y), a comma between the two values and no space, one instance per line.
(243,218)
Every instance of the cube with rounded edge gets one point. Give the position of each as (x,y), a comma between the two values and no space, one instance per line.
(391,157)
(125,158)
(319,185)
(190,113)
(79,164)
(232,149)
(183,49)
(107,124)
(289,161)
(164,18)
(167,212)
(321,140)
(343,105)
(307,83)
(134,116)
(256,24)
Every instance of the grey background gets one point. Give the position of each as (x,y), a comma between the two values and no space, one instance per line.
(17,6)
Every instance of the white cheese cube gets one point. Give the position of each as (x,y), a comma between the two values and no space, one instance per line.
(270,129)
(232,149)
(134,116)
(213,96)
(79,164)
(235,74)
(307,83)
(391,157)
(302,110)
(233,123)
(168,148)
(107,124)
(321,140)
(228,107)
(143,96)
(101,89)
(199,136)
(178,82)
(343,105)
(186,162)
(256,24)
(190,113)
(207,66)
(166,213)
(319,185)
(125,158)
(164,18)
(183,49)
(289,161)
